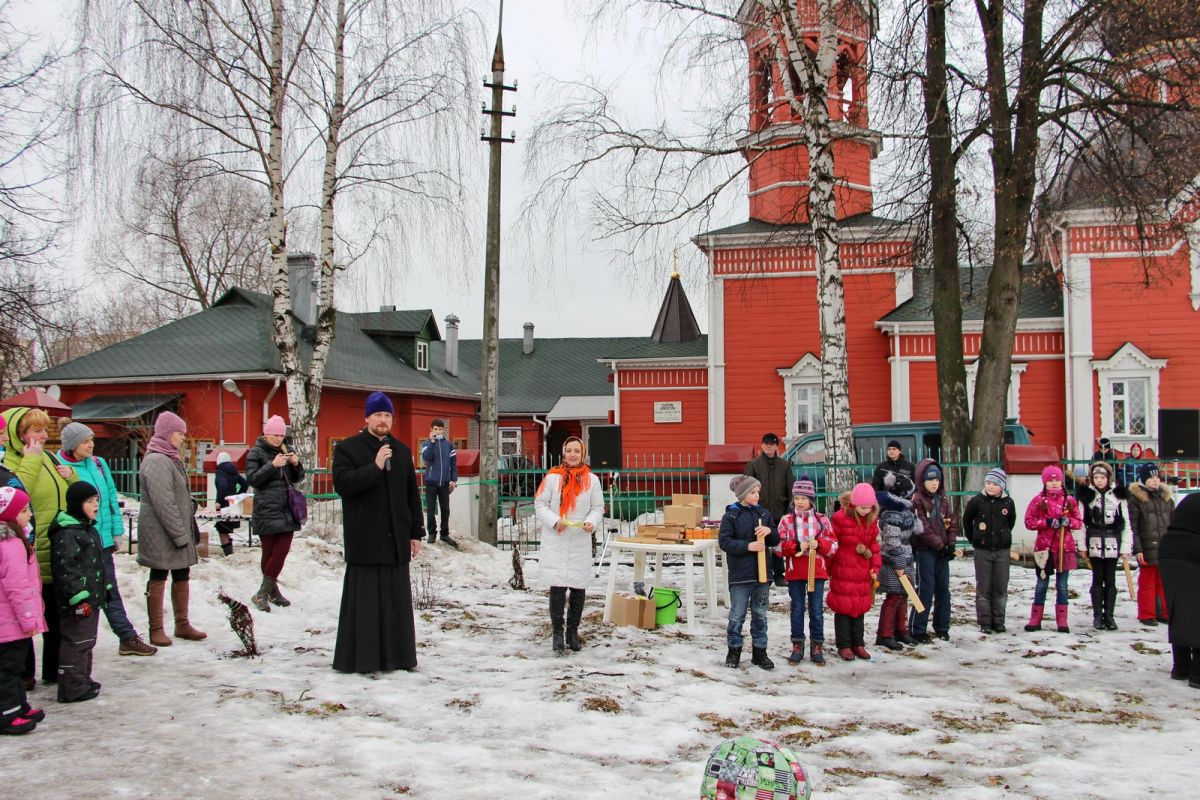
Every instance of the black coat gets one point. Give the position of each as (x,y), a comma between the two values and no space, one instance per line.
(75,563)
(735,537)
(775,475)
(1179,563)
(381,509)
(271,512)
(229,481)
(988,521)
(901,466)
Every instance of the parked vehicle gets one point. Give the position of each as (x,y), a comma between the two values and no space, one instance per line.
(519,477)
(918,440)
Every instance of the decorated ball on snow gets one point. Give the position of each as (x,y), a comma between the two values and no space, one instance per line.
(749,768)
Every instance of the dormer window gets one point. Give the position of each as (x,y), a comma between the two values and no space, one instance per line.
(423,356)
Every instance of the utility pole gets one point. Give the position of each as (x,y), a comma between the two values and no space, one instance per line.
(489,436)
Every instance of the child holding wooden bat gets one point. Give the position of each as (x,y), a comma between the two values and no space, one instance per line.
(853,569)
(897,525)
(1054,516)
(805,539)
(988,523)
(747,530)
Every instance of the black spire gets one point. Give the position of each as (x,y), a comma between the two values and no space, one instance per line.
(676,322)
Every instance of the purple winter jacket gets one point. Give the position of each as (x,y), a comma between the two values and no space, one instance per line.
(938,534)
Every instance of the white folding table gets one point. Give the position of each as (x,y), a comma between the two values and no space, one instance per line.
(714,587)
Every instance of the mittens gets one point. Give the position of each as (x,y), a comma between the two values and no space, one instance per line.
(1056,523)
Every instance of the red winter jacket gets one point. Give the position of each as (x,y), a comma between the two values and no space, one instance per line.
(797,568)
(1043,510)
(850,589)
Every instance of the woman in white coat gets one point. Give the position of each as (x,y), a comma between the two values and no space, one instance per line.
(569,505)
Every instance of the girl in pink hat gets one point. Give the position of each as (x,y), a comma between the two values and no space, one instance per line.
(22,612)
(1054,516)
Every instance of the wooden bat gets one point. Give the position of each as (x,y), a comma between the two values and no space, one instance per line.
(1129,578)
(912,594)
(762,556)
(812,567)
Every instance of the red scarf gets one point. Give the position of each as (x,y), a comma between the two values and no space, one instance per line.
(574,481)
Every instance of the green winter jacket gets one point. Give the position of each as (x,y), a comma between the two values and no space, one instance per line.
(47,489)
(95,471)
(76,562)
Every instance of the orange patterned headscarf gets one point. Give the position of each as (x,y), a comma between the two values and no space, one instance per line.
(574,482)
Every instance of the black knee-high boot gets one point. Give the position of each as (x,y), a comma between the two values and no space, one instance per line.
(574,615)
(1181,658)
(558,602)
(1097,599)
(1110,606)
(1194,678)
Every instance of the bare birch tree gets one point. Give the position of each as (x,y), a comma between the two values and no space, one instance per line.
(262,91)
(667,177)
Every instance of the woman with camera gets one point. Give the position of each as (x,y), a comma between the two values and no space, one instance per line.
(273,469)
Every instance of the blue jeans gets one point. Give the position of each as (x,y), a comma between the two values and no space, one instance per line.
(798,590)
(1060,589)
(114,611)
(754,595)
(933,587)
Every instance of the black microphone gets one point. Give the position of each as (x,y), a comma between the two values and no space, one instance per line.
(387,462)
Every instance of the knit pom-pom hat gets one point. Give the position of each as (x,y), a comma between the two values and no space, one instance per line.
(862,494)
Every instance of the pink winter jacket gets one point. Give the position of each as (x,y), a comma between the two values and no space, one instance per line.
(21,608)
(1045,507)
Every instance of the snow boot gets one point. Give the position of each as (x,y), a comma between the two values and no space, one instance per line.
(860,652)
(760,658)
(1110,608)
(227,548)
(1060,618)
(260,599)
(273,593)
(558,603)
(1194,676)
(17,726)
(733,657)
(155,590)
(888,642)
(1035,618)
(135,647)
(1097,608)
(29,712)
(574,615)
(999,628)
(817,654)
(1181,657)
(845,654)
(797,652)
(180,596)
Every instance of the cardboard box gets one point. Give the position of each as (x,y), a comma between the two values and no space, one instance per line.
(688,516)
(633,611)
(643,613)
(687,500)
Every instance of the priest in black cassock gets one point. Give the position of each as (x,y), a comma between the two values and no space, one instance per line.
(382,529)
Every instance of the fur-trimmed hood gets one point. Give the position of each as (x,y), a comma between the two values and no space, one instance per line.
(1086,494)
(1139,492)
(919,479)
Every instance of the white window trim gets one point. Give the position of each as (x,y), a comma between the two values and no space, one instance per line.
(500,441)
(1012,404)
(423,356)
(805,372)
(1129,362)
(1193,239)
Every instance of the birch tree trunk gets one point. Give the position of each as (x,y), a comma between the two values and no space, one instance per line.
(810,102)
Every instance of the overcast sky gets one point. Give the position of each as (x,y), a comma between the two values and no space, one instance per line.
(580,289)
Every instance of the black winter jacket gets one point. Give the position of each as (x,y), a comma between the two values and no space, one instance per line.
(271,513)
(988,521)
(381,509)
(901,466)
(737,532)
(229,481)
(75,563)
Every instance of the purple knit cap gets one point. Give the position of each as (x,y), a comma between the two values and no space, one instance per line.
(168,423)
(805,487)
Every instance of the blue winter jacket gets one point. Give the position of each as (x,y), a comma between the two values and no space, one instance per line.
(440,460)
(95,471)
(737,532)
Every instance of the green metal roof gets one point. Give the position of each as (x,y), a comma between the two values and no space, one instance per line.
(119,406)
(531,383)
(233,337)
(1041,296)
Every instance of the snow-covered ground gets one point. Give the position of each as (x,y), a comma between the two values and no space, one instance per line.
(492,713)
